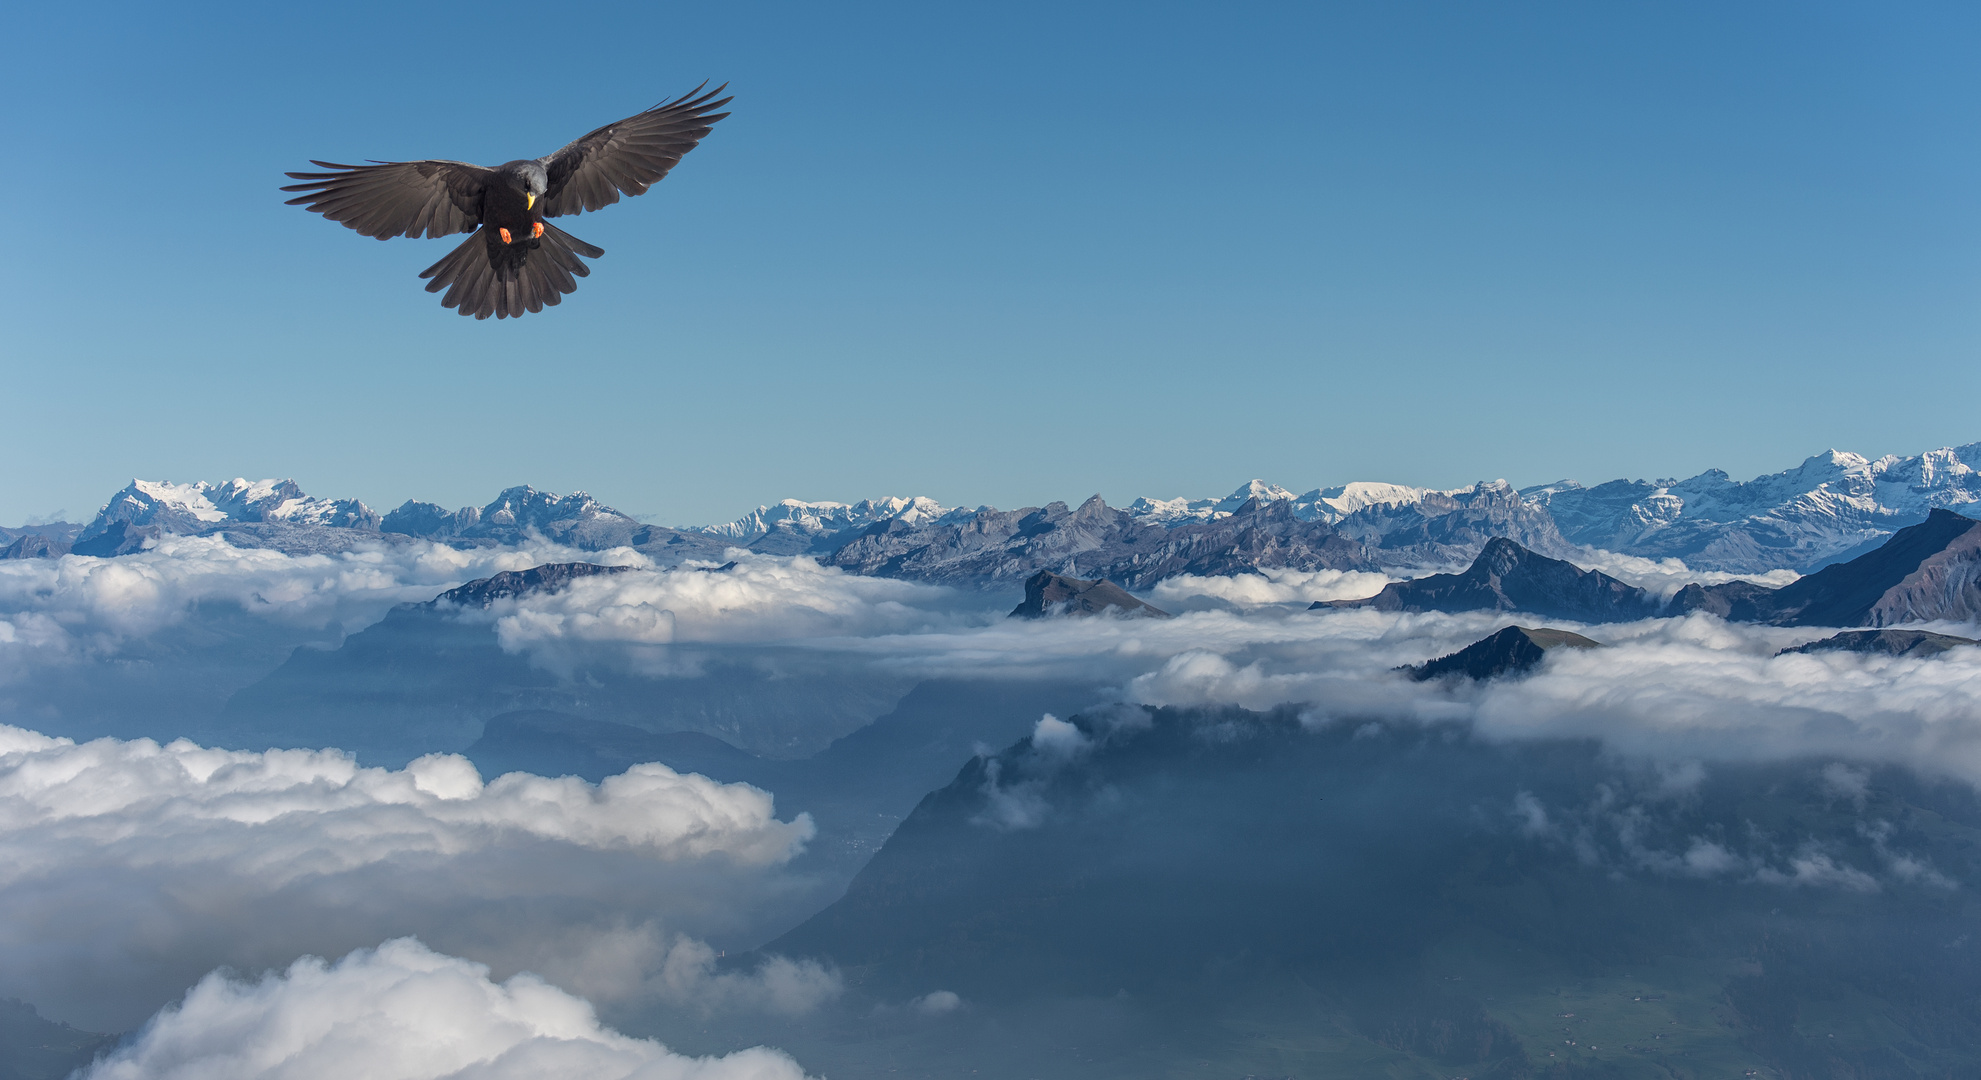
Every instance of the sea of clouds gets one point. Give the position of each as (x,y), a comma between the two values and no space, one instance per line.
(130,869)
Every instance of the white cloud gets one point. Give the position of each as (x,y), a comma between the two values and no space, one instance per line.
(1670,690)
(756,598)
(1663,578)
(281,814)
(128,868)
(1265,587)
(938,1003)
(402,1012)
(77,608)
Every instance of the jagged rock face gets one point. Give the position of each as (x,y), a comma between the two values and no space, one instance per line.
(1047,594)
(800,523)
(1510,651)
(523,513)
(117,538)
(1442,528)
(550,577)
(1094,540)
(1508,577)
(1931,570)
(36,546)
(1258,536)
(1827,508)
(193,509)
(1914,643)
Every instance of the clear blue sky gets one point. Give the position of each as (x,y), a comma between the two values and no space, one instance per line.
(1002,254)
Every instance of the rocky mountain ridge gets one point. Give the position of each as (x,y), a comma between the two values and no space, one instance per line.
(1924,572)
(1830,508)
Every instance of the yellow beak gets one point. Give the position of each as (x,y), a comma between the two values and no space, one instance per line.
(530,201)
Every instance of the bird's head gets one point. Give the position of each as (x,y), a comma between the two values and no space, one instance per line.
(529,178)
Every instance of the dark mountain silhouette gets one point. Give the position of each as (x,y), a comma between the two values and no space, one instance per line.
(549,577)
(1917,643)
(35,1048)
(1512,650)
(46,541)
(1931,570)
(1508,577)
(1212,881)
(36,546)
(1047,593)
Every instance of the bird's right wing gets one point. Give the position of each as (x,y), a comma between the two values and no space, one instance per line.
(396,198)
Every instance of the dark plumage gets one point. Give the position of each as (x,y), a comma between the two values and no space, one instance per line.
(516,261)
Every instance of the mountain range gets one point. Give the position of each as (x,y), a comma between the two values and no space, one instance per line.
(1830,508)
(1923,572)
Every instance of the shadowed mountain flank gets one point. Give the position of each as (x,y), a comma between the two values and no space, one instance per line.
(1095,541)
(1510,651)
(1931,570)
(1508,577)
(1047,594)
(1914,643)
(1426,896)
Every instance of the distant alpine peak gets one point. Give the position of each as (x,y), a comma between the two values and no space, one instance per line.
(815,518)
(1321,504)
(191,507)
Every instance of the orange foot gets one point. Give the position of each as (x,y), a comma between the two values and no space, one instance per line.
(505,236)
(536,231)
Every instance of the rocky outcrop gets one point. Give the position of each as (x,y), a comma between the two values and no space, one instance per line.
(1048,594)
(1441,528)
(36,546)
(1830,508)
(1095,541)
(1511,651)
(1931,570)
(1508,577)
(523,513)
(117,538)
(550,577)
(1914,643)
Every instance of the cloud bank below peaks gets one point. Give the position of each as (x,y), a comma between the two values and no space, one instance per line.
(754,598)
(402,1012)
(76,607)
(1669,689)
(128,869)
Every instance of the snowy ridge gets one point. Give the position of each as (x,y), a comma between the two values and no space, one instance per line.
(1321,504)
(1831,505)
(187,508)
(820,518)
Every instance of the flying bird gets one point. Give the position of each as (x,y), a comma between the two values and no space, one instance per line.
(515,261)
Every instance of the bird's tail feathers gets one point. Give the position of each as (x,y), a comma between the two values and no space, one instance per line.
(484,276)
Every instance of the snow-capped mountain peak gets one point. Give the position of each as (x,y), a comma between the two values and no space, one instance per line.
(190,508)
(816,518)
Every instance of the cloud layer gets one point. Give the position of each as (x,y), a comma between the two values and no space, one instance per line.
(78,608)
(402,1012)
(128,868)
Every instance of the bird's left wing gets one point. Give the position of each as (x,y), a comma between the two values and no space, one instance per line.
(396,198)
(630,156)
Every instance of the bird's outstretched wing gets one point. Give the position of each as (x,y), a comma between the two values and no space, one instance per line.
(630,156)
(396,198)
